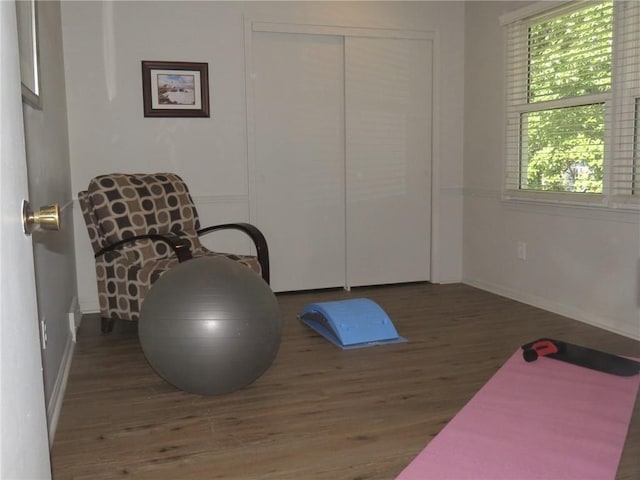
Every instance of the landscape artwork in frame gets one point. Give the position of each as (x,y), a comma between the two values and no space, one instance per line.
(175,89)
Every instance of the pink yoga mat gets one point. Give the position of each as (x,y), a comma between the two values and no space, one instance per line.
(545,420)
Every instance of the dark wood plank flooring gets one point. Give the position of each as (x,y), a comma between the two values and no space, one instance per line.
(319,412)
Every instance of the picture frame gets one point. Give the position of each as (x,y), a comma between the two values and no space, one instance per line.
(27,22)
(175,89)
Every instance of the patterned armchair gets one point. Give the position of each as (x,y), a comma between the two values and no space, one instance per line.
(142,225)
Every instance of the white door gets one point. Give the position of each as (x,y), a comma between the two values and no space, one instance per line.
(298,198)
(388,159)
(24,449)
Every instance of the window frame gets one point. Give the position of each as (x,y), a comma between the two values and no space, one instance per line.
(613,195)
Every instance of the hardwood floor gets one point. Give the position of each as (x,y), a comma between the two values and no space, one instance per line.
(319,412)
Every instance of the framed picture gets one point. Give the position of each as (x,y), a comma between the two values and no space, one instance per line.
(27,19)
(175,89)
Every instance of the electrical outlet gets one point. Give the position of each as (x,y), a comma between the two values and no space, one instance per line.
(72,326)
(75,317)
(43,333)
(522,250)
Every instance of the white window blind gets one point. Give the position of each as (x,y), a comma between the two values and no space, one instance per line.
(572,81)
(625,162)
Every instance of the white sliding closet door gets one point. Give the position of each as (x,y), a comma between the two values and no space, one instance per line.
(298,174)
(388,159)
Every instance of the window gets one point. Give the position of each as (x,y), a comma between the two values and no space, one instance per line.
(573,90)
(636,151)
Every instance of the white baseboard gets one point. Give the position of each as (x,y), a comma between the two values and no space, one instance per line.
(91,306)
(545,304)
(57,395)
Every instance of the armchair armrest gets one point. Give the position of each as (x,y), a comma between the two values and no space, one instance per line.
(256,236)
(179,246)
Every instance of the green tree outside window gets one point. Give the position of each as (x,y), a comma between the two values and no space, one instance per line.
(569,56)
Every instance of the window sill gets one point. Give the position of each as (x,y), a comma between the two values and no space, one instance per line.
(576,200)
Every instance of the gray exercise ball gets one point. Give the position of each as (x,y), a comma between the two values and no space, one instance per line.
(210,326)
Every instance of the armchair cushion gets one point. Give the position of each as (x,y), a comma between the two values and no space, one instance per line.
(129,205)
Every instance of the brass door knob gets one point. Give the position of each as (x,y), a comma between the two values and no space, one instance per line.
(47,218)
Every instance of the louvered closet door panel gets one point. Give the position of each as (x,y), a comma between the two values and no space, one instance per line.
(388,159)
(298,200)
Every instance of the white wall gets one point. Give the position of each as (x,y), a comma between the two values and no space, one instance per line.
(105,42)
(581,262)
(50,182)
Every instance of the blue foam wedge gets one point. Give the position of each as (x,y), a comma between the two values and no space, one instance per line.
(353,323)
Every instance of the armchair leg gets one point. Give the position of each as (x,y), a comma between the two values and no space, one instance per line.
(107,324)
